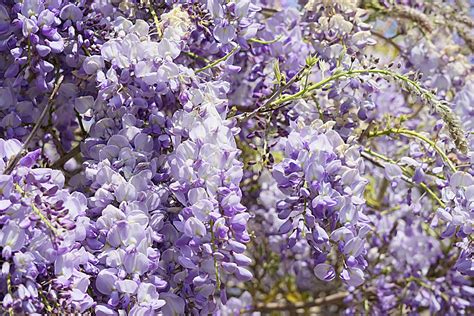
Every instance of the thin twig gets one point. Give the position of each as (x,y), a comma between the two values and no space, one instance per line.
(414,134)
(195,56)
(81,124)
(266,107)
(12,163)
(406,176)
(389,41)
(71,154)
(217,61)
(440,107)
(265,42)
(155,18)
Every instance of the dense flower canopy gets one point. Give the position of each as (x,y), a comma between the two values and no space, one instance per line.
(232,157)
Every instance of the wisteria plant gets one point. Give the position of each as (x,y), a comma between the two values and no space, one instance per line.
(236,157)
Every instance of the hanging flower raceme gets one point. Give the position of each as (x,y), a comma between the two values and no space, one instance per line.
(45,269)
(37,34)
(206,176)
(126,168)
(457,219)
(320,175)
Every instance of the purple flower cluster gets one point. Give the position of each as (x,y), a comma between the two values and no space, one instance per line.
(320,174)
(205,179)
(214,157)
(458,218)
(44,265)
(126,167)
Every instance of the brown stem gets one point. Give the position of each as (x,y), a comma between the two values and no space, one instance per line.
(12,163)
(388,40)
(61,161)
(273,307)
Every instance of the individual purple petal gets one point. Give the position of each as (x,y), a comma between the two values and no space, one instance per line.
(103,310)
(353,276)
(125,192)
(242,260)
(71,12)
(30,158)
(84,103)
(136,263)
(12,236)
(92,64)
(127,286)
(354,247)
(147,296)
(43,50)
(393,172)
(105,281)
(29,27)
(224,33)
(194,228)
(461,179)
(325,272)
(215,8)
(243,274)
(286,227)
(4,204)
(10,148)
(320,235)
(175,305)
